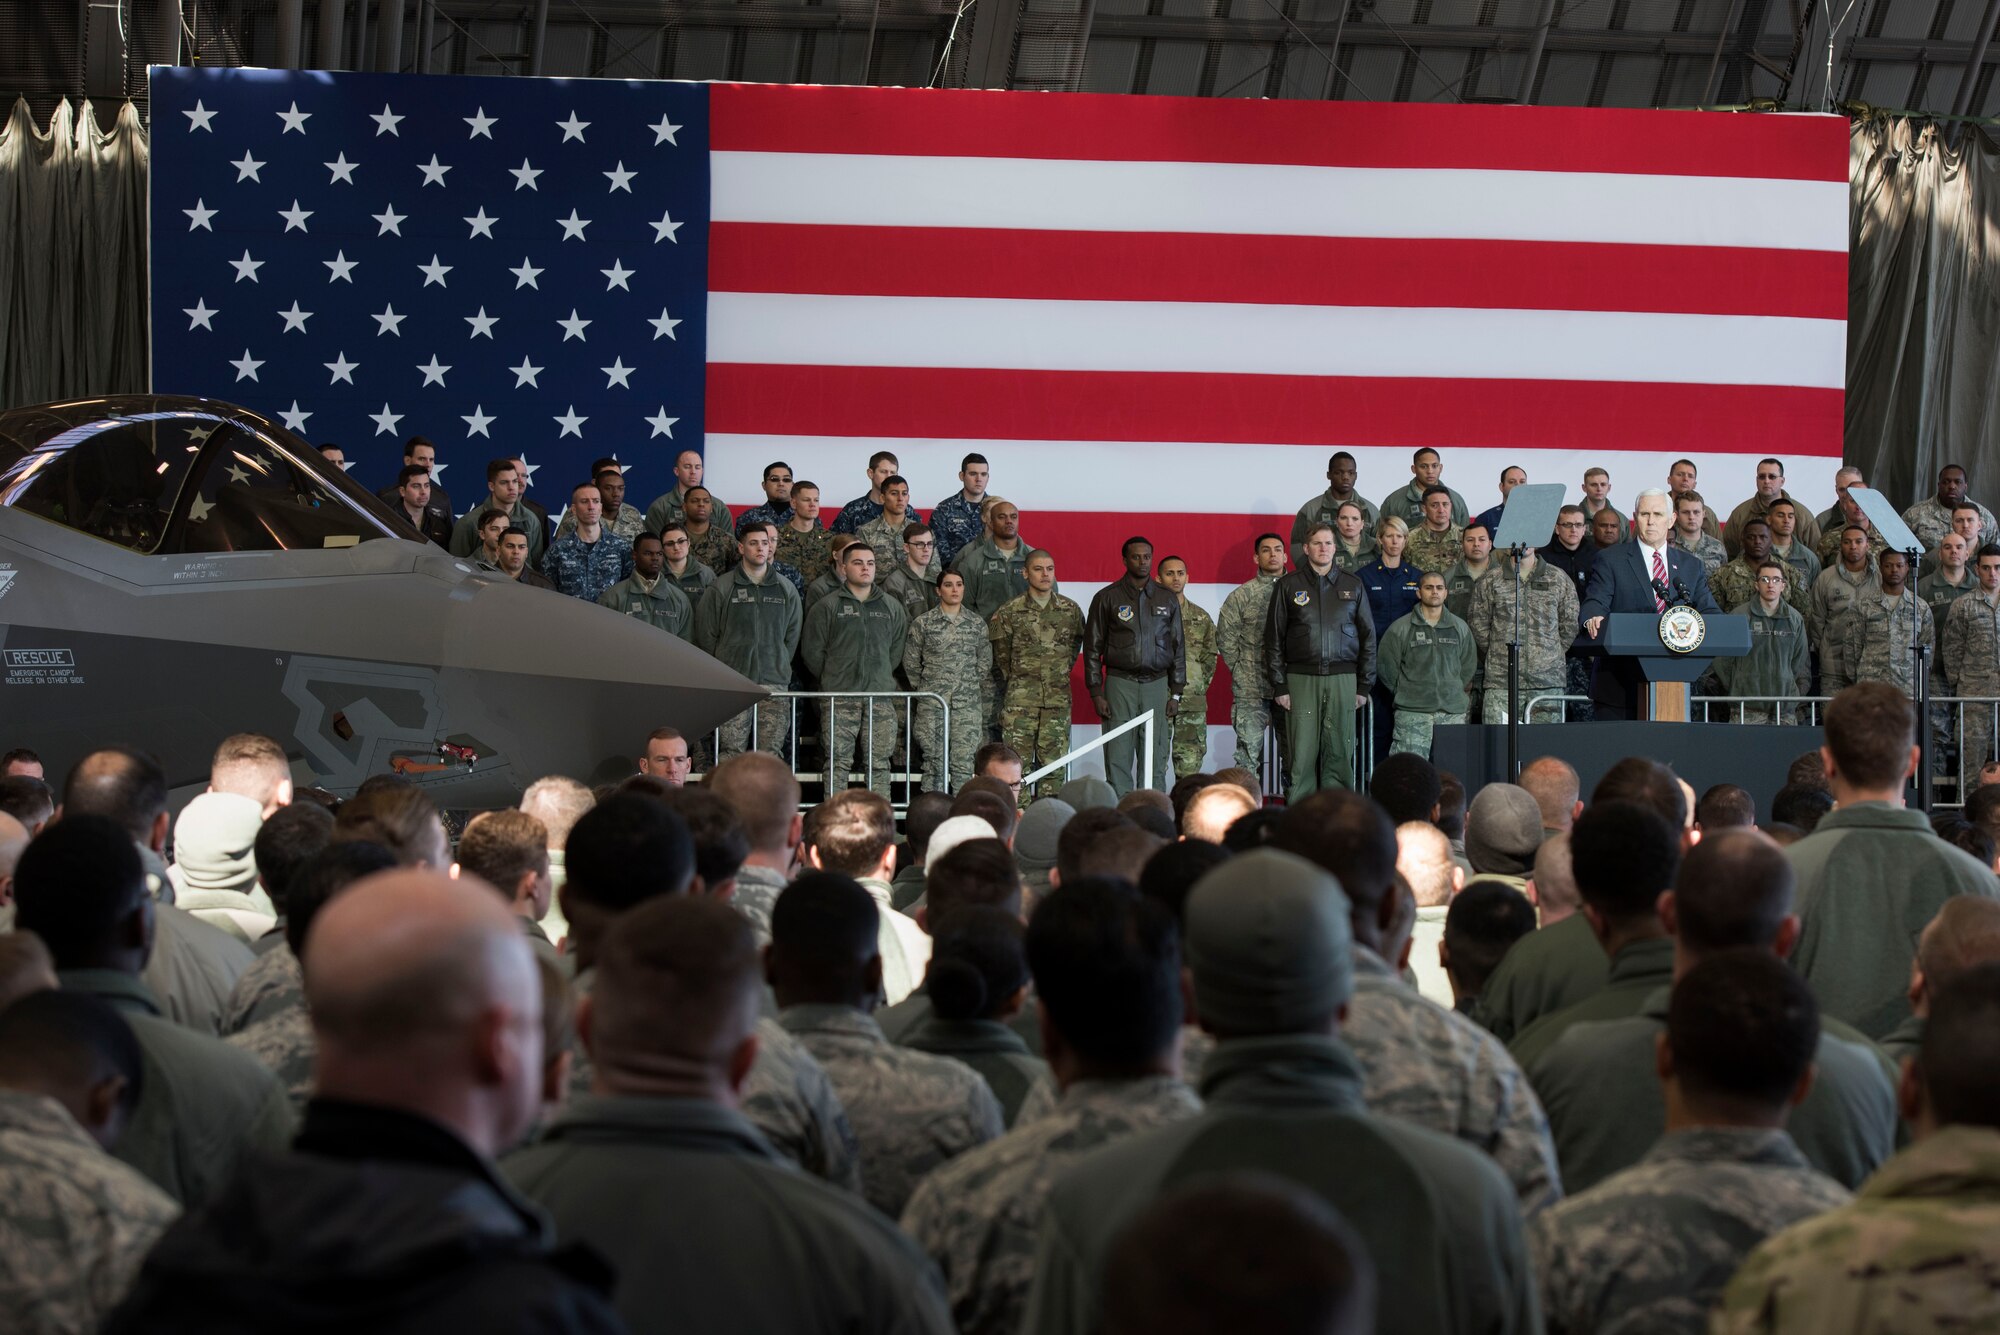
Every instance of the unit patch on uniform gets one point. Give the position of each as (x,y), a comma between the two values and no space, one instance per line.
(1302,597)
(1124,611)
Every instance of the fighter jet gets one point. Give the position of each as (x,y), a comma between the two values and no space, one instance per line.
(173,570)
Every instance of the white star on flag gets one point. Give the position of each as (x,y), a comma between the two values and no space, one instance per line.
(385,421)
(294,319)
(525,374)
(295,419)
(618,374)
(389,322)
(664,326)
(665,229)
(481,123)
(199,315)
(662,424)
(572,226)
(433,373)
(341,267)
(386,122)
(199,118)
(476,424)
(524,176)
(294,119)
(620,179)
(434,272)
(391,220)
(342,169)
(433,171)
(528,469)
(482,324)
(616,275)
(247,168)
(664,132)
(481,224)
(246,267)
(199,215)
(571,424)
(295,216)
(246,366)
(525,275)
(573,327)
(342,368)
(573,128)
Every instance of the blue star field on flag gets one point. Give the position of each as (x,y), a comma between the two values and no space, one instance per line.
(506,266)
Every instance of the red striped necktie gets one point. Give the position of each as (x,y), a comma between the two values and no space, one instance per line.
(1659,581)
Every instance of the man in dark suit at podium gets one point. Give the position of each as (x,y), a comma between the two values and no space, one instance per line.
(1647,574)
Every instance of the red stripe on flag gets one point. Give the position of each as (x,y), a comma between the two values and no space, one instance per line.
(1274,270)
(974,123)
(1217,548)
(932,403)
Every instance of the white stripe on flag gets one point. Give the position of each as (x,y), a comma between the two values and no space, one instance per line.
(791,329)
(897,191)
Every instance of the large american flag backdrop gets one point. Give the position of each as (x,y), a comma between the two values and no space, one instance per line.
(1154,315)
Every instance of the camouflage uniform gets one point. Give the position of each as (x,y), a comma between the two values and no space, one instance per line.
(886,541)
(910,1111)
(1828,547)
(1190,726)
(978,1216)
(1034,650)
(1735,585)
(284,1044)
(756,894)
(1436,1069)
(270,986)
(586,569)
(770,512)
(1870,641)
(1930,520)
(1651,1248)
(957,524)
(1708,550)
(949,654)
(1459,582)
(1833,593)
(1548,626)
(1239,638)
(1806,530)
(628,524)
(1427,667)
(1325,509)
(662,606)
(715,549)
(1919,1249)
(861,510)
(1434,552)
(1939,595)
(805,552)
(75,1223)
(1971,659)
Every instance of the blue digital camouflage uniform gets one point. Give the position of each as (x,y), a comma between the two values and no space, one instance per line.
(856,513)
(957,524)
(586,569)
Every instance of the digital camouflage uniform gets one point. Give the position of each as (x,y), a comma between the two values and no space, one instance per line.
(805,552)
(1434,1068)
(1930,520)
(1034,649)
(74,1222)
(1939,595)
(978,1216)
(1427,668)
(1548,626)
(1434,552)
(757,891)
(911,1112)
(1651,1248)
(1459,582)
(1239,638)
(856,644)
(753,627)
(715,549)
(1735,584)
(1870,641)
(1833,593)
(1706,549)
(951,655)
(271,985)
(1971,660)
(886,541)
(1190,725)
(284,1044)
(1917,1250)
(663,606)
(1806,530)
(1827,549)
(770,512)
(957,524)
(628,524)
(855,513)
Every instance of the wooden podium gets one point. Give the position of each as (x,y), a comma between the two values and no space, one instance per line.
(1636,635)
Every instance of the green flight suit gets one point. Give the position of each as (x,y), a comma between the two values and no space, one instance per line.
(1544,972)
(1638,969)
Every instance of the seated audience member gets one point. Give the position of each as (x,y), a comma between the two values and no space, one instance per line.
(1156,822)
(26,967)
(1115,848)
(1252,831)
(292,835)
(509,850)
(1420,1062)
(1968,838)
(910,1111)
(1624,857)
(1484,921)
(720,841)
(1872,874)
(1733,893)
(1651,1247)
(1271,959)
(927,811)
(78,1222)
(981,802)
(426,1014)
(666,757)
(997,760)
(1919,1246)
(1801,806)
(1725,807)
(1554,785)
(21,763)
(277,1030)
(1087,791)
(253,766)
(28,800)
(13,840)
(976,984)
(969,873)
(658,1169)
(1213,810)
(1172,871)
(1556,895)
(203,1107)
(1451,816)
(1964,934)
(764,794)
(1036,839)
(853,833)
(400,818)
(1244,779)
(1423,860)
(1242,1252)
(193,965)
(214,872)
(1503,828)
(629,850)
(1407,786)
(273,985)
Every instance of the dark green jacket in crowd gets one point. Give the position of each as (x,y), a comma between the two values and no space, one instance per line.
(1291,1105)
(693,580)
(1638,969)
(752,627)
(993,578)
(1545,971)
(1780,658)
(663,606)
(1870,877)
(852,644)
(988,1047)
(710,1230)
(1605,1108)
(1428,668)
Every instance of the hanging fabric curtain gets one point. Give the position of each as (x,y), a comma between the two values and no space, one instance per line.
(72,256)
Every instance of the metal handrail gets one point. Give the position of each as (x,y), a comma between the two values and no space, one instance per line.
(909,778)
(1550,697)
(1813,704)
(1096,743)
